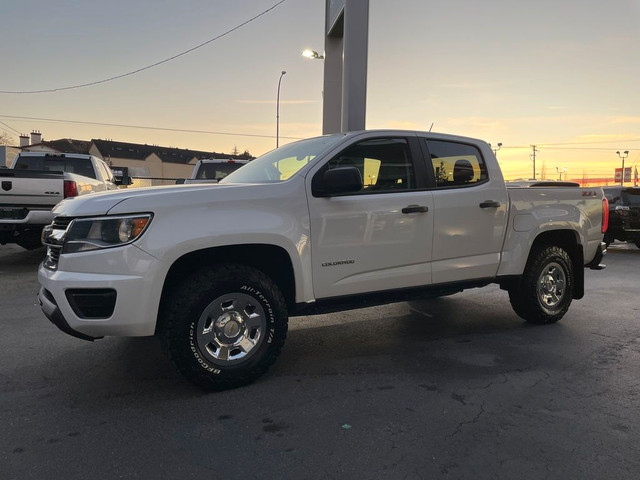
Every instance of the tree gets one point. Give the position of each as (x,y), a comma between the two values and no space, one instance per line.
(235,150)
(5,139)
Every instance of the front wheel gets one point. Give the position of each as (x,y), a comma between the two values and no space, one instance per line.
(225,326)
(544,292)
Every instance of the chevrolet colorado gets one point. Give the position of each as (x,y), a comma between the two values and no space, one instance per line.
(324,224)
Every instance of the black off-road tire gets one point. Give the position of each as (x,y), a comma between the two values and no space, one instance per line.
(544,293)
(204,314)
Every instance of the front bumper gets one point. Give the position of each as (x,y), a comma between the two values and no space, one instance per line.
(128,308)
(53,313)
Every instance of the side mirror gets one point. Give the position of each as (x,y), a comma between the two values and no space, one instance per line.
(127,180)
(180,181)
(339,181)
(121,176)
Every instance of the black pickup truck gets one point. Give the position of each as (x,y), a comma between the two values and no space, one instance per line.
(624,214)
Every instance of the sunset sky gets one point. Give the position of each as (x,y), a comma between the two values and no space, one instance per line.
(560,74)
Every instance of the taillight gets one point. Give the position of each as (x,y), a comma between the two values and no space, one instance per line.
(605,215)
(70,189)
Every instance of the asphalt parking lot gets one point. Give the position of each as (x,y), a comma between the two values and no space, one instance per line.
(456,387)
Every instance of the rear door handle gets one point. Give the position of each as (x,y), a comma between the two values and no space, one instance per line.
(490,204)
(415,209)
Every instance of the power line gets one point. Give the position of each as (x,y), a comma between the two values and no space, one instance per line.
(10,134)
(238,134)
(146,127)
(547,145)
(578,148)
(97,82)
(10,128)
(623,140)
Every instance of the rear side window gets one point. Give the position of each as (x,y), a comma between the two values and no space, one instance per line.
(79,166)
(456,164)
(105,171)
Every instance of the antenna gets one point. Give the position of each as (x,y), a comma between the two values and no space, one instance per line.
(431,126)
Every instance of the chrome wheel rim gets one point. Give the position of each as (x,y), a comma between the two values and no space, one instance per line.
(551,285)
(231,328)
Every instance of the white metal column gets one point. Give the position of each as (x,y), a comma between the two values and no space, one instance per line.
(345,67)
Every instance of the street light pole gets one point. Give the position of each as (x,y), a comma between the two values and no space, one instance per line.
(278,110)
(495,150)
(622,156)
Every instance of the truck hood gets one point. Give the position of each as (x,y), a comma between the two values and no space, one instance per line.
(144,198)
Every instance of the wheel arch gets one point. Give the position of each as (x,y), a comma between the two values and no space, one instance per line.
(569,241)
(272,260)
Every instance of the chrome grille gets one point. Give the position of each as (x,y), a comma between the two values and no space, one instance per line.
(53,256)
(53,237)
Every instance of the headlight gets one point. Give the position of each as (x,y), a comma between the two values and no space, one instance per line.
(86,234)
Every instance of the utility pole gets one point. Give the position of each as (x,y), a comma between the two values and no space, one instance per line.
(533,157)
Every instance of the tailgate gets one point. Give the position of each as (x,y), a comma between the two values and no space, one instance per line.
(30,189)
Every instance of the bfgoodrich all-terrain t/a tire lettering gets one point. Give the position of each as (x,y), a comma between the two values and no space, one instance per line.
(224,326)
(544,292)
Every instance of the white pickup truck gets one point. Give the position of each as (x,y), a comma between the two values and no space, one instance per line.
(324,224)
(38,181)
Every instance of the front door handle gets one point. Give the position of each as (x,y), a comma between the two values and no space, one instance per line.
(415,209)
(490,204)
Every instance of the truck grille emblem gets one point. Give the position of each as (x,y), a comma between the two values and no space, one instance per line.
(6,186)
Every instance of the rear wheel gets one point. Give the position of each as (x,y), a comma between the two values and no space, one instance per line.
(544,293)
(225,326)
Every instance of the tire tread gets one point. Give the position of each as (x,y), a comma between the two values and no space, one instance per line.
(190,292)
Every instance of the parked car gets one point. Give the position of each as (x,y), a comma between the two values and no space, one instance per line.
(36,182)
(212,170)
(324,224)
(624,214)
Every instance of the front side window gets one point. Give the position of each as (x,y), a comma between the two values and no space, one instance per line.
(384,163)
(456,164)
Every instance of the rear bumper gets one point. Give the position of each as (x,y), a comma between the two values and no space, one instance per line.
(32,218)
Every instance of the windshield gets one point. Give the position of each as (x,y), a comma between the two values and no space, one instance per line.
(217,171)
(631,197)
(282,163)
